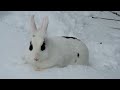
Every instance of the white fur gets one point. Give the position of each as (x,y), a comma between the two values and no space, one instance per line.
(59,51)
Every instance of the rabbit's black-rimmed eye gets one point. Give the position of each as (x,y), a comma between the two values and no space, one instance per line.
(31,46)
(43,46)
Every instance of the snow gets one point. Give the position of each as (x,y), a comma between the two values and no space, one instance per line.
(104,58)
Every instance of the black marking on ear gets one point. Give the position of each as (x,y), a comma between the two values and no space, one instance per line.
(70,37)
(31,46)
(78,55)
(43,46)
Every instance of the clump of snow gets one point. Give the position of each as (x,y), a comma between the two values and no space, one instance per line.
(102,40)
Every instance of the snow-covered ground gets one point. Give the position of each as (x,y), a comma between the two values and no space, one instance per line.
(101,36)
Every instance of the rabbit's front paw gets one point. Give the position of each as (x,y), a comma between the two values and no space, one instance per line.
(38,69)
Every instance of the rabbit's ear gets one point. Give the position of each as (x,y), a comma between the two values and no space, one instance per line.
(44,25)
(32,24)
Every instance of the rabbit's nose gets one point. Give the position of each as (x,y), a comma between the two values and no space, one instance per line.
(36,59)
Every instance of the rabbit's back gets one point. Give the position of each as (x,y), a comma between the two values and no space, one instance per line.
(68,50)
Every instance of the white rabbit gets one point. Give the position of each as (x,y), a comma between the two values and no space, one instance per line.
(46,52)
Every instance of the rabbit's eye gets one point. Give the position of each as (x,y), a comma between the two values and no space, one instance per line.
(43,46)
(31,46)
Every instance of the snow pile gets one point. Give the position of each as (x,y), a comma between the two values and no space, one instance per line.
(99,35)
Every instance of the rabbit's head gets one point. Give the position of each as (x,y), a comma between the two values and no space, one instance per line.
(37,42)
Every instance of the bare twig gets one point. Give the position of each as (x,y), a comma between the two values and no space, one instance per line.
(115,13)
(105,18)
(115,28)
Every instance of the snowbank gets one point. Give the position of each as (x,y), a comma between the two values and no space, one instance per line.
(102,40)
